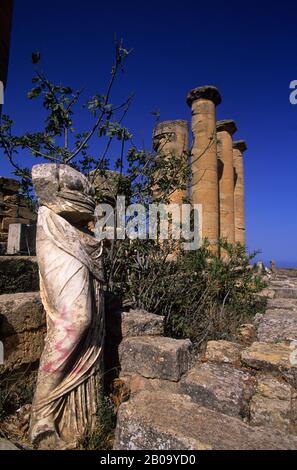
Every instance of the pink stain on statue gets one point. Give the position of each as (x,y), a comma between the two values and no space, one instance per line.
(66,344)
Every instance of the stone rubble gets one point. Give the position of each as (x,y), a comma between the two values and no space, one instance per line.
(13,210)
(236,396)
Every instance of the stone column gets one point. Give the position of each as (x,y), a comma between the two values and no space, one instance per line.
(238,148)
(171,138)
(203,101)
(225,130)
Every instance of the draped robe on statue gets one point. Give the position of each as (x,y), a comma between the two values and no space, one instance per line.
(70,372)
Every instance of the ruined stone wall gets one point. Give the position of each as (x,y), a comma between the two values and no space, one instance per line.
(13,209)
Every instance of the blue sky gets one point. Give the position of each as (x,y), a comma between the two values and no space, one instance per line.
(249,51)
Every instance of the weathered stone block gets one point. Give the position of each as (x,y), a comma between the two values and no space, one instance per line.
(286,293)
(274,412)
(19,212)
(22,329)
(6,221)
(21,239)
(278,325)
(246,334)
(9,185)
(277,357)
(18,274)
(284,304)
(223,351)
(155,357)
(271,405)
(219,387)
(16,199)
(265,293)
(3,237)
(161,420)
(22,348)
(121,324)
(136,383)
(21,312)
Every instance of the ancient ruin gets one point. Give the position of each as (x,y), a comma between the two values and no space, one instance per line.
(15,215)
(57,318)
(216,162)
(238,148)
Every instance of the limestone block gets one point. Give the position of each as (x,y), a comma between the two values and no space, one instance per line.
(6,221)
(21,239)
(19,212)
(16,199)
(271,405)
(121,324)
(290,304)
(21,312)
(23,348)
(155,357)
(278,325)
(22,327)
(276,357)
(9,185)
(219,387)
(136,383)
(286,293)
(3,237)
(246,333)
(223,351)
(162,420)
(266,293)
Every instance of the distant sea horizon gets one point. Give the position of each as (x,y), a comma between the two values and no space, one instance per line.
(281,263)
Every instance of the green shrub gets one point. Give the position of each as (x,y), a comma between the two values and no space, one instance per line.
(201,296)
(102,437)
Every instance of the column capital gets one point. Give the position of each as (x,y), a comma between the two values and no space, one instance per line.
(226,125)
(240,145)
(206,92)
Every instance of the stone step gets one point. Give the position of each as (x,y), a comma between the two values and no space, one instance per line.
(290,304)
(219,387)
(274,404)
(120,324)
(285,293)
(223,351)
(166,421)
(273,357)
(18,274)
(22,326)
(155,357)
(288,272)
(278,325)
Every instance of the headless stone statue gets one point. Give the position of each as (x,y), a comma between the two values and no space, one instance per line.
(69,259)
